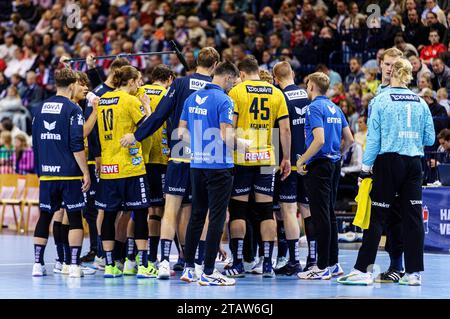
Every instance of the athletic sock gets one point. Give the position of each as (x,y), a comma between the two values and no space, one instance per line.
(75,255)
(396,262)
(99,247)
(117,251)
(130,249)
(109,260)
(166,245)
(200,257)
(238,246)
(312,244)
(268,250)
(65,241)
(294,251)
(39,254)
(153,248)
(58,242)
(143,258)
(281,238)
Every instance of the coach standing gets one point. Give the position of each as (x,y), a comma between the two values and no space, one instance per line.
(208,115)
(324,127)
(400,125)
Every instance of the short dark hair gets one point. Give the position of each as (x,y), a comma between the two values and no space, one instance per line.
(118,63)
(65,77)
(442,134)
(249,65)
(7,124)
(207,57)
(162,73)
(226,68)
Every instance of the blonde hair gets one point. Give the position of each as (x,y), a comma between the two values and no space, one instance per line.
(6,137)
(265,76)
(321,80)
(282,70)
(402,71)
(442,91)
(392,52)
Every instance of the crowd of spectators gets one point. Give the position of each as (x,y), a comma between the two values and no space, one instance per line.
(340,38)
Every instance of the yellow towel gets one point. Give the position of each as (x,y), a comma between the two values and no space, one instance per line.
(362,218)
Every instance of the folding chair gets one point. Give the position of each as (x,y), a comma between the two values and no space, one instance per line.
(31,197)
(9,196)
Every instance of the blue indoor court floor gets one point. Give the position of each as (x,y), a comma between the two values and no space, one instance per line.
(16,257)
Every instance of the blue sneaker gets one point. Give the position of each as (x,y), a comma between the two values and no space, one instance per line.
(216,279)
(236,271)
(268,270)
(189,275)
(336,270)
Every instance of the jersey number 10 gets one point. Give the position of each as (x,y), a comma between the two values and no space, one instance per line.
(108,119)
(258,107)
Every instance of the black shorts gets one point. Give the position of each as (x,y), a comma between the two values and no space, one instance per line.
(291,190)
(156,175)
(123,194)
(260,179)
(57,194)
(90,195)
(178,181)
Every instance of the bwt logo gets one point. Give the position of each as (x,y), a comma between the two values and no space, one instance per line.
(72,12)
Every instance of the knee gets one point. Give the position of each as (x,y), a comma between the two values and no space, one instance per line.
(43,225)
(238,210)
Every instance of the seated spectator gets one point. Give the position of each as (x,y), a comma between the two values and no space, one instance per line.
(437,111)
(8,48)
(268,61)
(286,55)
(4,84)
(32,94)
(415,31)
(406,48)
(280,28)
(335,77)
(365,100)
(442,98)
(425,83)
(433,50)
(419,69)
(370,83)
(432,6)
(348,108)
(11,107)
(303,50)
(337,93)
(354,94)
(251,34)
(441,75)
(6,151)
(195,31)
(374,63)
(355,75)
(258,50)
(23,156)
(6,124)
(361,136)
(20,64)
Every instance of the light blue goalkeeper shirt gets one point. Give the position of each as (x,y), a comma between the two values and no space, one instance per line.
(399,122)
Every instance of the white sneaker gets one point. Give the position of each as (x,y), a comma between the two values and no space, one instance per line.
(99,263)
(336,270)
(249,266)
(58,267)
(88,271)
(39,270)
(315,273)
(348,237)
(356,278)
(216,279)
(75,271)
(189,275)
(198,270)
(414,279)
(65,269)
(281,262)
(258,268)
(164,270)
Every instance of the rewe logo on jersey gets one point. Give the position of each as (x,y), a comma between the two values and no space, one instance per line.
(50,136)
(110,169)
(200,100)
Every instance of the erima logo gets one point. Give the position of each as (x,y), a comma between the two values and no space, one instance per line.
(50,169)
(296,95)
(152,92)
(110,169)
(334,120)
(405,97)
(332,109)
(301,110)
(50,136)
(51,108)
(110,101)
(259,89)
(195,84)
(198,110)
(199,100)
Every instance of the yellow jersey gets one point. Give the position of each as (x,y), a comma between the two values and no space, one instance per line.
(258,105)
(119,113)
(155,147)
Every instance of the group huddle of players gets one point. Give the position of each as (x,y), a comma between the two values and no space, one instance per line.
(137,189)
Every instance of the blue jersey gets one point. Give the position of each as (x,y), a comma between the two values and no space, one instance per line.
(400,122)
(324,113)
(297,102)
(57,133)
(204,111)
(93,140)
(170,108)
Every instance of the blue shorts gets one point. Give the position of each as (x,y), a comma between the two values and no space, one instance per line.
(57,194)
(125,194)
(178,180)
(291,190)
(248,178)
(156,175)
